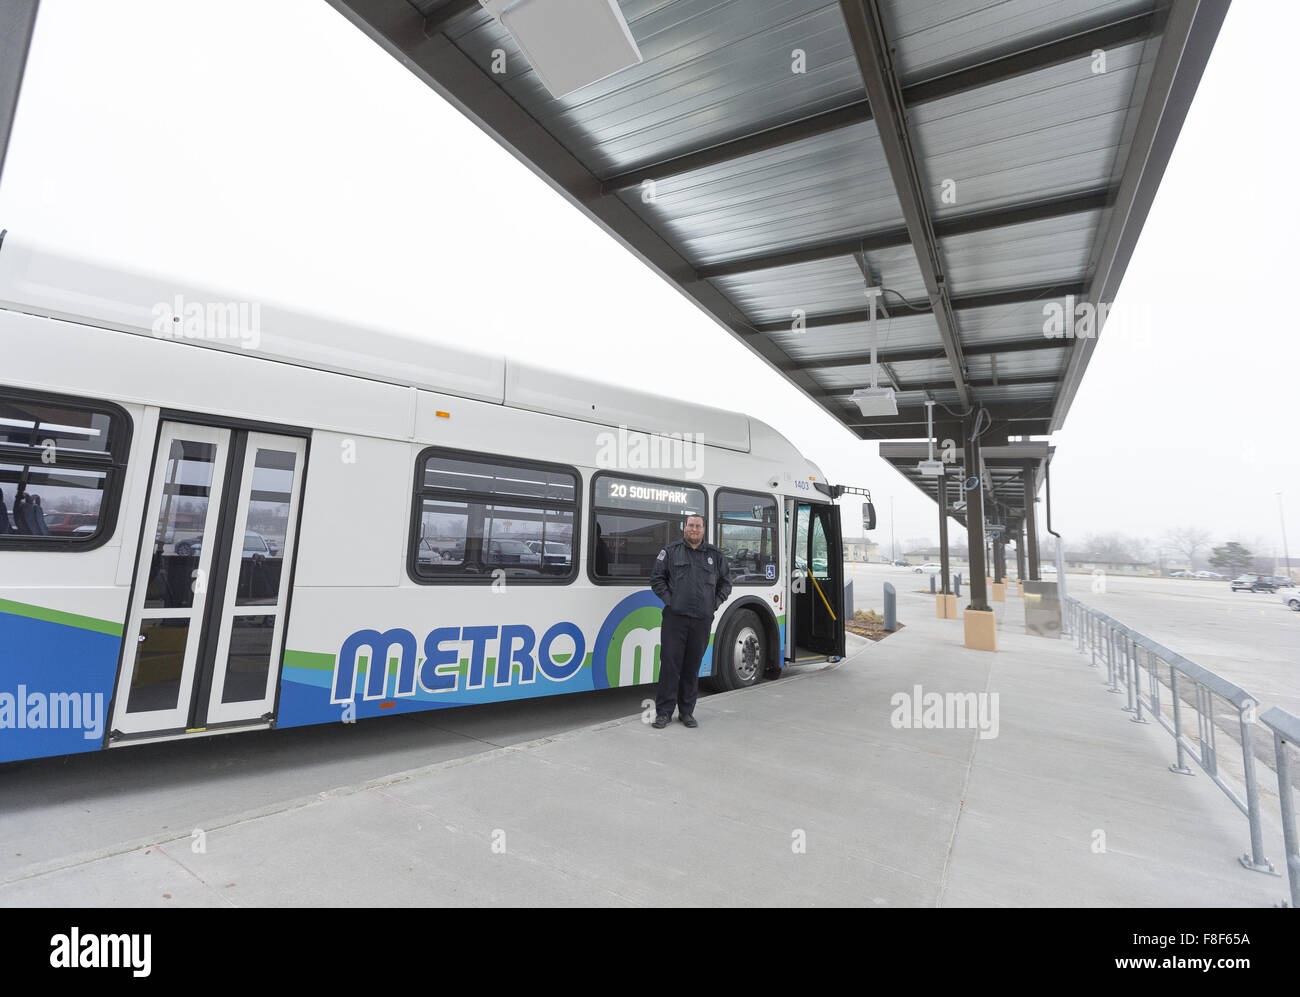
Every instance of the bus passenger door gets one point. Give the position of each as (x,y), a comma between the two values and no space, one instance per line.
(817,582)
(206,621)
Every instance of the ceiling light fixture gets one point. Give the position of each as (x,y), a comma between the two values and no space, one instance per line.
(569,43)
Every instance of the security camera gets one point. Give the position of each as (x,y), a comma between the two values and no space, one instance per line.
(774,483)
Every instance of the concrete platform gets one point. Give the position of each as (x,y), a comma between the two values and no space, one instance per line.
(800,792)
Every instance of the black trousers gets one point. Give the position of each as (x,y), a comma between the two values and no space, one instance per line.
(682,640)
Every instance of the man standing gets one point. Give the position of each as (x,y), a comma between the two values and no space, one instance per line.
(692,579)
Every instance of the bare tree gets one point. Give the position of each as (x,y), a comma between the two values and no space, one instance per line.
(1188,541)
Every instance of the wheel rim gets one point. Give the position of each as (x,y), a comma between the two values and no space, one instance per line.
(745,654)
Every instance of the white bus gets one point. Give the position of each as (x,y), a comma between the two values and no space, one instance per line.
(216,516)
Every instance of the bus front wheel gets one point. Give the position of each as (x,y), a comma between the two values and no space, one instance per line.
(739,652)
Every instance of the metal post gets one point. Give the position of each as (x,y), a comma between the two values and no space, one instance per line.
(1137,678)
(1110,659)
(1031,525)
(1255,860)
(1289,836)
(943,532)
(1020,553)
(1180,766)
(891,608)
(1127,663)
(974,495)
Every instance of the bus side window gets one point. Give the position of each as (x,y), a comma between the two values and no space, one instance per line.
(479,516)
(62,461)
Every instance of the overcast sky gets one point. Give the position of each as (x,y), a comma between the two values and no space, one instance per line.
(268,147)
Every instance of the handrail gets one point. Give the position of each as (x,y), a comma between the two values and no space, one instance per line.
(1286,732)
(1121,649)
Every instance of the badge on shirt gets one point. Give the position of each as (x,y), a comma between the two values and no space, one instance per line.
(661,556)
(709,558)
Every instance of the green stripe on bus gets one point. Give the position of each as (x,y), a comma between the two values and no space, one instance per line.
(57,616)
(309,659)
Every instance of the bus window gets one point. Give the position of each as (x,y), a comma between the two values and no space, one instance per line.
(60,470)
(477,515)
(745,530)
(636,518)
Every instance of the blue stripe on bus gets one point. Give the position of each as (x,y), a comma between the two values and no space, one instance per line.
(56,685)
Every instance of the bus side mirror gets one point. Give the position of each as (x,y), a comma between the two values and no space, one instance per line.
(868,517)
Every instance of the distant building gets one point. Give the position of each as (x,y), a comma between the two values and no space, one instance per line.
(1113,563)
(956,555)
(860,549)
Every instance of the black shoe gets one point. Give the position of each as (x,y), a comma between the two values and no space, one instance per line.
(661,722)
(690,721)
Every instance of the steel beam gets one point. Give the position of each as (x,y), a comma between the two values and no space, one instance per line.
(17,23)
(1027,379)
(895,236)
(917,431)
(443,17)
(876,64)
(948,84)
(910,354)
(984,299)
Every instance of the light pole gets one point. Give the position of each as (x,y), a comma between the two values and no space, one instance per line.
(1286,552)
(893,548)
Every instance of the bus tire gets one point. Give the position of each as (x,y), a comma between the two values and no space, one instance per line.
(739,652)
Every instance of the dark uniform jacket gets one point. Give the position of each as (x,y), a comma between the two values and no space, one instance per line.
(691,582)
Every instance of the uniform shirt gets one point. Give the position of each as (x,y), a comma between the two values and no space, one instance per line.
(691,582)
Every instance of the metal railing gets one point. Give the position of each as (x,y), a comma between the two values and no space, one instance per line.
(1286,735)
(1128,656)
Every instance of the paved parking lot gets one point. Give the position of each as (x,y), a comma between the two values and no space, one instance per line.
(1250,638)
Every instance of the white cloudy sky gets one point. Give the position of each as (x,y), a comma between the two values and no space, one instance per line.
(268,147)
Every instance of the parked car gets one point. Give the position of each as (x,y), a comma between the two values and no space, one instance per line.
(929,568)
(555,552)
(1208,574)
(255,545)
(1292,599)
(65,523)
(903,564)
(1253,583)
(512,552)
(1181,573)
(1281,581)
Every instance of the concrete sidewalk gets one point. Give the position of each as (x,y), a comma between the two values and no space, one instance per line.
(799,792)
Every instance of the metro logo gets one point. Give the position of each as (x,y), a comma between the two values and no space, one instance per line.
(627,648)
(514,645)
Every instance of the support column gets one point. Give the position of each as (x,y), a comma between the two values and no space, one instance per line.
(1020,558)
(978,622)
(979,596)
(945,607)
(943,536)
(1031,524)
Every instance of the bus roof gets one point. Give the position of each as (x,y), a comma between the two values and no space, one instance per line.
(57,285)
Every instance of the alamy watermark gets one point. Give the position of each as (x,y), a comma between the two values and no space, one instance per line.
(25,710)
(945,711)
(624,450)
(236,320)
